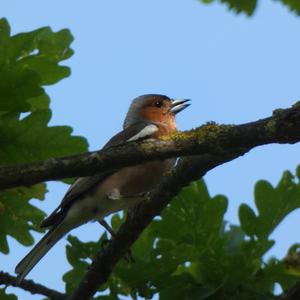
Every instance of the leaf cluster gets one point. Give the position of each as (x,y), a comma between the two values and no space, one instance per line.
(28,62)
(249,6)
(6,296)
(191,252)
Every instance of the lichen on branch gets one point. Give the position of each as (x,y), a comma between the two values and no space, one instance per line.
(282,127)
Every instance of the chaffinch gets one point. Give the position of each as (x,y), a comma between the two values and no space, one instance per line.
(95,197)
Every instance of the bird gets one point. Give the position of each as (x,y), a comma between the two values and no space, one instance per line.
(94,197)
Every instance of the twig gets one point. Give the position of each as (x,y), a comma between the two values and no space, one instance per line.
(31,286)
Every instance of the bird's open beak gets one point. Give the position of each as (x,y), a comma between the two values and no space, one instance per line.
(179,105)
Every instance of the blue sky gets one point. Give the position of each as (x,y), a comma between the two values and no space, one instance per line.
(235,69)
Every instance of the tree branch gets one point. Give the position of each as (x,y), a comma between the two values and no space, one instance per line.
(31,286)
(293,293)
(282,127)
(188,169)
(228,144)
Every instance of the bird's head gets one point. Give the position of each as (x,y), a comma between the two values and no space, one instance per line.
(155,108)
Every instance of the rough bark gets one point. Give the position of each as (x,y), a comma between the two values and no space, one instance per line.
(282,127)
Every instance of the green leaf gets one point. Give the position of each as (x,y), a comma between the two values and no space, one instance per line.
(18,216)
(239,6)
(48,70)
(56,45)
(31,139)
(298,172)
(248,220)
(249,6)
(4,29)
(77,255)
(235,237)
(294,249)
(294,5)
(207,1)
(18,86)
(27,62)
(39,102)
(274,204)
(5,296)
(4,36)
(52,48)
(186,288)
(196,216)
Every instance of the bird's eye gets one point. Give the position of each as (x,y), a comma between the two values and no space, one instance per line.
(158,103)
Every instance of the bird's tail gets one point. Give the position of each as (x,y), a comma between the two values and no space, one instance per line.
(39,250)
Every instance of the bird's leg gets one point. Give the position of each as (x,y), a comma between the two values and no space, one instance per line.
(128,256)
(107,227)
(115,195)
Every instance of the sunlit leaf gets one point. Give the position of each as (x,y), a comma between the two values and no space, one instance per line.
(18,216)
(28,61)
(273,205)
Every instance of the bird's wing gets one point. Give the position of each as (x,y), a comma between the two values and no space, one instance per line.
(81,185)
(138,131)
(135,132)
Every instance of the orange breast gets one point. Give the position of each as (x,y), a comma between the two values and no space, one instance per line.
(164,120)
